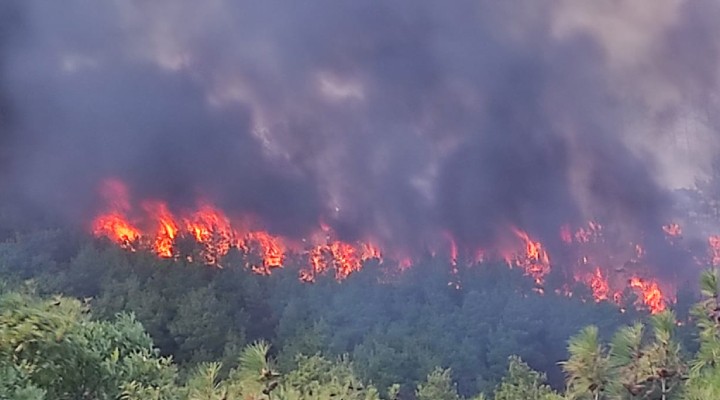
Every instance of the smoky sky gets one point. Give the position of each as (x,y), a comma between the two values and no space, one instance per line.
(390,119)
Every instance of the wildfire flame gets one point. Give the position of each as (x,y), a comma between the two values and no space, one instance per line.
(535,260)
(650,294)
(213,230)
(599,285)
(166,231)
(158,228)
(114,226)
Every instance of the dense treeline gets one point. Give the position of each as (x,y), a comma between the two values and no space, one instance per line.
(396,328)
(53,349)
(413,330)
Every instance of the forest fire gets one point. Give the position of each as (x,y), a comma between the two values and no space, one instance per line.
(212,230)
(115,227)
(599,285)
(650,294)
(535,260)
(598,265)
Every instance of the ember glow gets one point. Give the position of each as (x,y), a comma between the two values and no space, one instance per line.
(592,260)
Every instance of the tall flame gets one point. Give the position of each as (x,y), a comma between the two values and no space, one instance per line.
(166,228)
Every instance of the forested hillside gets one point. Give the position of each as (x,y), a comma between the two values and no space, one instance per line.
(415,333)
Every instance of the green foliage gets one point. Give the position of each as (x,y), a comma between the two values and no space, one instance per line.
(15,383)
(437,386)
(704,379)
(396,331)
(318,378)
(52,346)
(205,384)
(588,368)
(256,372)
(523,383)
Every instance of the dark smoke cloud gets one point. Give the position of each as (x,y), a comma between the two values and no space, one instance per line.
(9,20)
(395,119)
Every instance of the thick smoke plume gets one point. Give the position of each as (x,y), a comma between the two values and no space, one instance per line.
(398,120)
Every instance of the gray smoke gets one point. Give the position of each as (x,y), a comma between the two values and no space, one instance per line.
(397,120)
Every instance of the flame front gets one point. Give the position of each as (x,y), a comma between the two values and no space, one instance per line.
(161,229)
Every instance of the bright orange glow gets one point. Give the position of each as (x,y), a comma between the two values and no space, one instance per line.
(273,251)
(166,228)
(535,261)
(606,267)
(345,259)
(211,228)
(318,262)
(650,294)
(115,227)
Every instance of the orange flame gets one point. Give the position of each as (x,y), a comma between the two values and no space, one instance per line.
(345,259)
(166,230)
(599,285)
(535,261)
(215,232)
(273,251)
(650,294)
(211,228)
(115,227)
